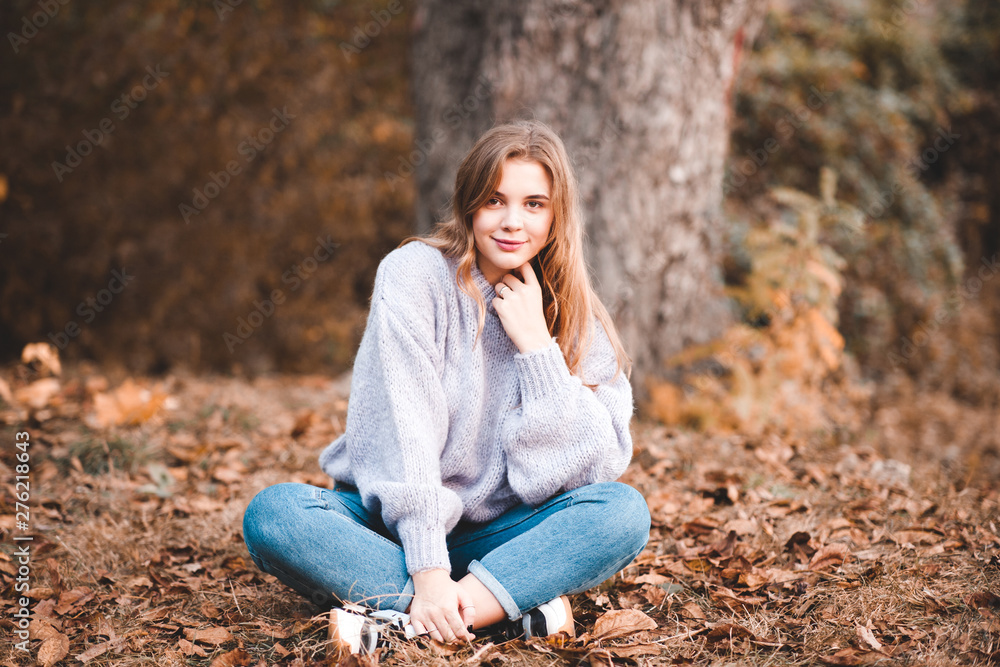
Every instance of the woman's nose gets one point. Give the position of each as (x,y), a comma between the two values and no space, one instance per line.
(512,220)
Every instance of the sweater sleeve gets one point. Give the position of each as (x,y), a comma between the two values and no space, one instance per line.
(398,418)
(569,435)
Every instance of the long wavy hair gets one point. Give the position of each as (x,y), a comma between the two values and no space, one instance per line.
(568,297)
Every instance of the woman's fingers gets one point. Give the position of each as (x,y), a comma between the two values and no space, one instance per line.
(456,626)
(467,610)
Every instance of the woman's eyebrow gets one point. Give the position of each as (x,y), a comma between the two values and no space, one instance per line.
(503,196)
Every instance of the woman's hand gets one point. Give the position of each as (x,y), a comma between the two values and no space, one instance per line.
(441,607)
(520,310)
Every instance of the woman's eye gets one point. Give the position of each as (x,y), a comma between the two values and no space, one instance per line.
(492,201)
(534,204)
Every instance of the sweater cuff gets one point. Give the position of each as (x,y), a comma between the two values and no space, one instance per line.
(424,546)
(541,371)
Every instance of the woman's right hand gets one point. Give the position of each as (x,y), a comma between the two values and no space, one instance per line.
(441,608)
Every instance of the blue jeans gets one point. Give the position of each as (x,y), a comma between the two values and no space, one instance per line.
(329,548)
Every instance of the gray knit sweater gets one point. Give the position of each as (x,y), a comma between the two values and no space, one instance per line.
(438,430)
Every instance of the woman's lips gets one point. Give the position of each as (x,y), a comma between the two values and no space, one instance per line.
(509,245)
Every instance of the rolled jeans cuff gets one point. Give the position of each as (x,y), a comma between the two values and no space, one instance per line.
(478,570)
(405,598)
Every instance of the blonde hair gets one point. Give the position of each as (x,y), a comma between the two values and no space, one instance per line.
(569,300)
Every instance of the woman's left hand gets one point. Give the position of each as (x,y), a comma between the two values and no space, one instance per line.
(520,310)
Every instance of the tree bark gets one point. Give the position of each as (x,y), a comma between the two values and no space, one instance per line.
(639,92)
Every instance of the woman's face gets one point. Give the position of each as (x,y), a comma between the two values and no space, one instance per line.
(520,213)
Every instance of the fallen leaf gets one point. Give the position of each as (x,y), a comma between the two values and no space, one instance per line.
(303,422)
(43,353)
(128,404)
(728,632)
(93,652)
(868,637)
(72,600)
(621,622)
(235,658)
(215,635)
(37,394)
(39,629)
(600,658)
(852,657)
(917,536)
(53,650)
(693,611)
(189,648)
(5,392)
(227,475)
(829,557)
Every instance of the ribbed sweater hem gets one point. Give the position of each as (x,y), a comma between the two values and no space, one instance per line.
(541,372)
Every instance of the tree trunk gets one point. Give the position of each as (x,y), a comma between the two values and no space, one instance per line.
(639,92)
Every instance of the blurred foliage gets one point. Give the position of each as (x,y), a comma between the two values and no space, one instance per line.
(861,198)
(226,68)
(862,88)
(835,104)
(775,370)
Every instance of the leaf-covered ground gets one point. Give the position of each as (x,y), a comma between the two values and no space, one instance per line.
(763,552)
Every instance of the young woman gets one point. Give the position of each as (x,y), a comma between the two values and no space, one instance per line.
(488,419)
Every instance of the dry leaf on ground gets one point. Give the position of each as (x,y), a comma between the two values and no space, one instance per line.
(37,394)
(43,353)
(829,557)
(53,650)
(621,622)
(215,635)
(235,658)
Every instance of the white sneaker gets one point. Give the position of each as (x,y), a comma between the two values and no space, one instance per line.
(359,631)
(549,618)
(544,620)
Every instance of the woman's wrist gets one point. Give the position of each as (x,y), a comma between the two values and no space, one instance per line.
(536,344)
(429,578)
